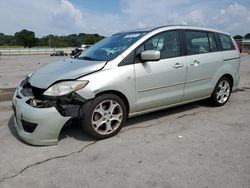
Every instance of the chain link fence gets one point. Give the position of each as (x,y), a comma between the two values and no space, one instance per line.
(32,51)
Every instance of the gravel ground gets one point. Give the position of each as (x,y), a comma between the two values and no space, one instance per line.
(193,145)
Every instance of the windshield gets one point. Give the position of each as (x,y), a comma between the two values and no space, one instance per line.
(109,48)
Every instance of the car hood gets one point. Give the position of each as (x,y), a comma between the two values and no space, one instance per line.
(67,69)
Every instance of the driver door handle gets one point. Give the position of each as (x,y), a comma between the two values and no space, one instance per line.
(178,65)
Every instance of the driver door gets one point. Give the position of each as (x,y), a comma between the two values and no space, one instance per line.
(160,83)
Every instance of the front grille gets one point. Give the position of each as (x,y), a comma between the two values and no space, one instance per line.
(28,127)
(37,92)
(29,90)
(26,91)
(18,96)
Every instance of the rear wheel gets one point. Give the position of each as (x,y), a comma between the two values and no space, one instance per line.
(221,92)
(104,116)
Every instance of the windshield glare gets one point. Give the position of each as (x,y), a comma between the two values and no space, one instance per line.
(109,48)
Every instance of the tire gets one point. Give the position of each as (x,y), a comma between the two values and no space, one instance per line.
(104,116)
(222,92)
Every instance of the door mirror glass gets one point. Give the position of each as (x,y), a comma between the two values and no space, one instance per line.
(150,55)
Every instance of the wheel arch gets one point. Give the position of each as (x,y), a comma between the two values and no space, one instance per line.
(119,94)
(230,77)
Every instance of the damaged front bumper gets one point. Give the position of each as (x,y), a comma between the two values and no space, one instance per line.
(39,122)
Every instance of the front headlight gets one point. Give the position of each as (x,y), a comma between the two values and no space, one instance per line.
(63,88)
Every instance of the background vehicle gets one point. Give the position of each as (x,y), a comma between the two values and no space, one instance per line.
(127,74)
(77,50)
(59,53)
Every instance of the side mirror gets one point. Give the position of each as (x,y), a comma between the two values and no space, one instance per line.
(150,55)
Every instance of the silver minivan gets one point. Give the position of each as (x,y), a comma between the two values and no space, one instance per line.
(127,74)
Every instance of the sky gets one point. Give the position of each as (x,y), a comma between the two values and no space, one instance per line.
(106,17)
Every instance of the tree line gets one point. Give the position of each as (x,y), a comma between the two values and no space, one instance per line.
(240,37)
(28,39)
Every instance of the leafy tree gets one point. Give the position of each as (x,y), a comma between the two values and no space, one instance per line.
(7,40)
(56,41)
(44,41)
(26,38)
(239,37)
(91,39)
(1,39)
(71,40)
(247,36)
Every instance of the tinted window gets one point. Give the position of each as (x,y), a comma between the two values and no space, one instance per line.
(226,42)
(167,43)
(197,42)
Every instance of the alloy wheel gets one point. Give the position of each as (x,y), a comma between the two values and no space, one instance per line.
(107,117)
(223,91)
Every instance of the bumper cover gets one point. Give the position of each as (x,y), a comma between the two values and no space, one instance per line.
(49,121)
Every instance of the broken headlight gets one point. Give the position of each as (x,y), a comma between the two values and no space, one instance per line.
(66,87)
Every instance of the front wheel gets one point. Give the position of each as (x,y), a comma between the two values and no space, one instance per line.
(104,116)
(221,92)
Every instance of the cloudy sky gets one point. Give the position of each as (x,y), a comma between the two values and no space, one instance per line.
(62,17)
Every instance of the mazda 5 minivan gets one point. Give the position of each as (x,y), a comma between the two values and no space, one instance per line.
(127,74)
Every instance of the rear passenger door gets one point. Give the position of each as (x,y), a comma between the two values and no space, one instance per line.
(203,59)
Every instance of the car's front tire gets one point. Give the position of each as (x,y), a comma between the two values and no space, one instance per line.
(222,92)
(104,116)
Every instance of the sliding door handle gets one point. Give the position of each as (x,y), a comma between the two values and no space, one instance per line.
(195,63)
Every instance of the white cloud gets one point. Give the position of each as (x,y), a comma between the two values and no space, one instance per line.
(151,13)
(62,17)
(44,17)
(222,11)
(67,18)
(232,18)
(235,19)
(25,14)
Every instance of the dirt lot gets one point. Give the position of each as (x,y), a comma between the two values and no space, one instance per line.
(213,150)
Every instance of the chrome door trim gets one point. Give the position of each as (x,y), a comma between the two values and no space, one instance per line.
(197,80)
(161,87)
(165,107)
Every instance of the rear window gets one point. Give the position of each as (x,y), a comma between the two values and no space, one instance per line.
(226,42)
(197,42)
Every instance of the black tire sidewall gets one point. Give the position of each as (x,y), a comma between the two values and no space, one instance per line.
(86,121)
